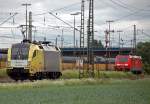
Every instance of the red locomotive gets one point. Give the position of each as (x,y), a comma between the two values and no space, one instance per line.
(129,63)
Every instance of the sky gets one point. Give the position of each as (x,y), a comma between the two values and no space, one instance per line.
(124,13)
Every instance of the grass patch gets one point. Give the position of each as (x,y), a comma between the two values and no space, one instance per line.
(114,74)
(3,73)
(74,74)
(69,74)
(61,82)
(84,91)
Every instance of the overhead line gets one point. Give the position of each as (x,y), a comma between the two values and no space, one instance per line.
(6,37)
(10,37)
(62,20)
(8,19)
(146,34)
(58,9)
(131,5)
(120,5)
(9,27)
(131,14)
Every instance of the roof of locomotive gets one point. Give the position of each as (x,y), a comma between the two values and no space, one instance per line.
(130,56)
(42,45)
(47,47)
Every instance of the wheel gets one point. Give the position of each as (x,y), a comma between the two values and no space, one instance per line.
(38,76)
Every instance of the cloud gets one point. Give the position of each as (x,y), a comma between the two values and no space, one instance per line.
(126,12)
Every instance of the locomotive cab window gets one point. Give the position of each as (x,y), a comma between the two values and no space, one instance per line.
(34,53)
(123,59)
(20,51)
(40,47)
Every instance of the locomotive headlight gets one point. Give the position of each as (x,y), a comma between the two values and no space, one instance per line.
(8,63)
(118,64)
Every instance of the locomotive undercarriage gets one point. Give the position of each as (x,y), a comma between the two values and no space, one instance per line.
(23,74)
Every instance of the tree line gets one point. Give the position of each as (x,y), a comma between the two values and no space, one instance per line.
(143,50)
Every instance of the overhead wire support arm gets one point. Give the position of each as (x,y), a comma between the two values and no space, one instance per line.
(8,18)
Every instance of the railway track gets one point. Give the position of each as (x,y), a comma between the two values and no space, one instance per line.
(6,80)
(9,80)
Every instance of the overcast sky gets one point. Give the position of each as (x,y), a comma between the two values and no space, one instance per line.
(124,13)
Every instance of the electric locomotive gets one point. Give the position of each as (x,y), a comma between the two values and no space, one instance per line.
(129,63)
(33,61)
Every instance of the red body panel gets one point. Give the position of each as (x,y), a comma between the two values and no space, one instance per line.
(128,63)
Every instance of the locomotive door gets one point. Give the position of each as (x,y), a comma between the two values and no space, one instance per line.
(51,61)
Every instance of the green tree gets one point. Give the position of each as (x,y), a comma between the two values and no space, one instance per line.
(98,44)
(143,49)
